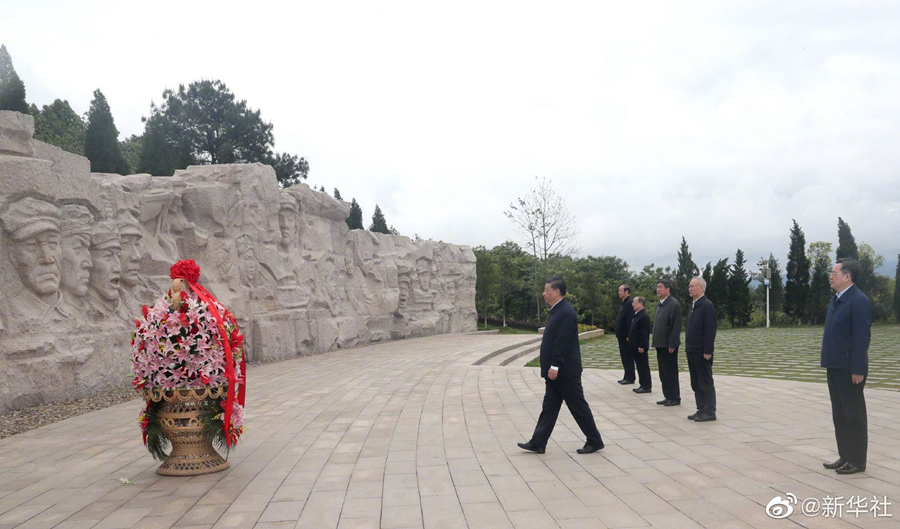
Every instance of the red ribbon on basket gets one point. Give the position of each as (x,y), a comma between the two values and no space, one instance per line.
(190,272)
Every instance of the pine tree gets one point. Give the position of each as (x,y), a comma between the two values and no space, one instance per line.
(354,221)
(819,286)
(717,287)
(686,271)
(707,274)
(59,125)
(738,305)
(776,288)
(337,194)
(12,89)
(379,224)
(101,139)
(321,189)
(897,290)
(846,243)
(796,288)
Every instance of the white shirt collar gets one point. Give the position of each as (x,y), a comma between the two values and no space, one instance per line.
(841,293)
(557,303)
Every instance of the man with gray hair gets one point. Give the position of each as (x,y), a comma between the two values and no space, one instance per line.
(32,227)
(699,343)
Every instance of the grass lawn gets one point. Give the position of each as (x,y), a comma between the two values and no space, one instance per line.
(790,353)
(502,330)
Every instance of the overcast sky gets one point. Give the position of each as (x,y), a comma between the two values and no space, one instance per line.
(719,120)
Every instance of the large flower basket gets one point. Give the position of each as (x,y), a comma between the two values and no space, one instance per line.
(188,364)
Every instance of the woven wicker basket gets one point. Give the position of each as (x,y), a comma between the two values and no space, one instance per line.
(192,454)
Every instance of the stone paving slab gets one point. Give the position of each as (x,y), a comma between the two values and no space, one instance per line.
(411,434)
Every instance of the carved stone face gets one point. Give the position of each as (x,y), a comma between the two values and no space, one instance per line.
(249,267)
(451,291)
(423,271)
(106,272)
(37,259)
(404,294)
(287,224)
(131,259)
(349,262)
(76,264)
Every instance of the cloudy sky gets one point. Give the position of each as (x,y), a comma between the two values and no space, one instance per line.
(719,121)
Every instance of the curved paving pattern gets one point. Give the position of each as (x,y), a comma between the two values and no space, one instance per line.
(411,434)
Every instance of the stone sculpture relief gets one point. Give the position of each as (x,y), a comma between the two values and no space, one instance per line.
(81,252)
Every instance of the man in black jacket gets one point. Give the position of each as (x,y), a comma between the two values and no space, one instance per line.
(699,344)
(845,355)
(639,341)
(666,339)
(561,367)
(623,324)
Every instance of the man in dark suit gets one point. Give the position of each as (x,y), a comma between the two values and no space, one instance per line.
(845,354)
(623,324)
(699,343)
(639,341)
(666,339)
(561,368)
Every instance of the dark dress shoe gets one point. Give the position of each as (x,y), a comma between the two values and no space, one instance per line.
(530,447)
(662,402)
(850,468)
(642,390)
(836,465)
(626,382)
(589,449)
(693,416)
(705,417)
(672,403)
(620,380)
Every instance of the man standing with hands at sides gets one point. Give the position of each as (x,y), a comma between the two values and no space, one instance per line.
(666,339)
(845,354)
(639,341)
(699,343)
(561,367)
(623,325)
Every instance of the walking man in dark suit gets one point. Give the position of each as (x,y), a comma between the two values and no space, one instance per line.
(623,324)
(639,342)
(699,343)
(666,339)
(845,354)
(561,368)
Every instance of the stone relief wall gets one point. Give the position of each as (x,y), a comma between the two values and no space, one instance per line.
(80,252)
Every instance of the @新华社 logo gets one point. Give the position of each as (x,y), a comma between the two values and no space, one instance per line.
(779,507)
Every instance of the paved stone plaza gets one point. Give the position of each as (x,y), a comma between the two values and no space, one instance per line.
(411,434)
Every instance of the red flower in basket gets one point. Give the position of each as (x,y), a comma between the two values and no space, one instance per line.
(186,270)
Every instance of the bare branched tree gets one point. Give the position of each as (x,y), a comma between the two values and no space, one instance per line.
(546,226)
(544,222)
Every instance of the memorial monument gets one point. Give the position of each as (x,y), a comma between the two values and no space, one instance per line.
(80,252)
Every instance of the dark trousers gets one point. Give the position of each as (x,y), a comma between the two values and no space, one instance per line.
(848,410)
(702,382)
(627,359)
(566,389)
(668,373)
(642,362)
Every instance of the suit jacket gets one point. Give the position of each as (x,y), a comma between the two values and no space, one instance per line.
(623,323)
(667,325)
(848,330)
(639,333)
(700,330)
(559,346)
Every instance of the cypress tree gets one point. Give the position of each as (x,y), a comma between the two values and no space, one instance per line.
(354,221)
(796,288)
(776,289)
(738,305)
(819,286)
(707,274)
(717,288)
(337,194)
(686,271)
(101,139)
(897,290)
(12,89)
(379,224)
(846,243)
